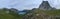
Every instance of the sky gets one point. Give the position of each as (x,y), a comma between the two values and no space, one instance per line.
(27,4)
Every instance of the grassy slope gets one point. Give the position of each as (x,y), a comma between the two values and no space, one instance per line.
(48,12)
(4,15)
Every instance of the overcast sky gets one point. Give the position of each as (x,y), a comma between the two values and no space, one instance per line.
(26,4)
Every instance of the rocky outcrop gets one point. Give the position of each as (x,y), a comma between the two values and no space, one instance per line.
(45,6)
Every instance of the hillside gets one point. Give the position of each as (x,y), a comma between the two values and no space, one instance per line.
(9,14)
(43,14)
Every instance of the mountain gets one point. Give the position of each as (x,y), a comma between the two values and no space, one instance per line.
(45,6)
(43,12)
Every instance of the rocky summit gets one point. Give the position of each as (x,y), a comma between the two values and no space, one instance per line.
(45,6)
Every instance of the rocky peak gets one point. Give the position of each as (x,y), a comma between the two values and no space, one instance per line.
(45,6)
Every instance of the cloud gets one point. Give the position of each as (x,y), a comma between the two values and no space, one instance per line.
(26,4)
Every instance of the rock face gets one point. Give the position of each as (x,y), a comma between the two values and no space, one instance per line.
(45,6)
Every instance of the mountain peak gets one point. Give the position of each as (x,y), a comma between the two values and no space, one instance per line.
(45,6)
